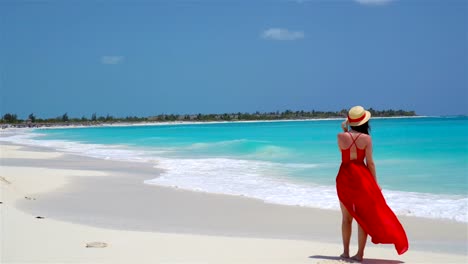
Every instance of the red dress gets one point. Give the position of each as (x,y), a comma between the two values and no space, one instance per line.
(360,194)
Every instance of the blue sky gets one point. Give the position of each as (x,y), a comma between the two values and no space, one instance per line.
(150,57)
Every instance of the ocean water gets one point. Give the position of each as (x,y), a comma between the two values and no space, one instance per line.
(421,162)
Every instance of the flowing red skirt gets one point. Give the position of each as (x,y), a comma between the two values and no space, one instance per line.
(361,195)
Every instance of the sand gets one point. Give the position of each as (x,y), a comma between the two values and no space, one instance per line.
(83,200)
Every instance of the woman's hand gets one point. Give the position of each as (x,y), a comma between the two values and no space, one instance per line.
(344,125)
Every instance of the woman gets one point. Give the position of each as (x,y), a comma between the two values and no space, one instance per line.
(359,193)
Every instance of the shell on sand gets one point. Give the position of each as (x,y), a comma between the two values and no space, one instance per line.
(96,245)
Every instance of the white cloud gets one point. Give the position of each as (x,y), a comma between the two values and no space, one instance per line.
(282,34)
(111,59)
(373,2)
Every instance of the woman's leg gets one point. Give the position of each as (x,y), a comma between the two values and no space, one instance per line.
(346,225)
(362,238)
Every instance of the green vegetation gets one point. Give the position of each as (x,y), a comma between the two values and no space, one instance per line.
(32,117)
(10,118)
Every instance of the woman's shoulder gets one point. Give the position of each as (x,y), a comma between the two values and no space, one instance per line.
(366,139)
(365,135)
(343,134)
(354,135)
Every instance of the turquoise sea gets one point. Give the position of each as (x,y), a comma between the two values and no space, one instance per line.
(421,162)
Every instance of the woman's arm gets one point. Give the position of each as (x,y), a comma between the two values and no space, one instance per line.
(370,161)
(344,125)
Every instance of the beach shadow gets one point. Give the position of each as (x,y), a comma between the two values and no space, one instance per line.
(332,258)
(365,261)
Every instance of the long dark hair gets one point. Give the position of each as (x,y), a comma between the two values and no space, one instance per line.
(364,128)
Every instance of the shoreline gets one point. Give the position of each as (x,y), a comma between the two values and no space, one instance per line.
(313,200)
(188,210)
(87,200)
(168,123)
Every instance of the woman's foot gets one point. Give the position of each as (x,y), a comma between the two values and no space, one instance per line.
(344,255)
(357,257)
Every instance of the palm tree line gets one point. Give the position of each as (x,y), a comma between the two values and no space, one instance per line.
(10,118)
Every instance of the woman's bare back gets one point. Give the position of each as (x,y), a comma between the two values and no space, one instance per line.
(346,139)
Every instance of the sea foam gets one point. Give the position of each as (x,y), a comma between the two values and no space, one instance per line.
(262,180)
(259,180)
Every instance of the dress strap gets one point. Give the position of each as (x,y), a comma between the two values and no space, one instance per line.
(354,139)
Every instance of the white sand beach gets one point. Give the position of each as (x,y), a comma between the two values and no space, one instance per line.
(81,200)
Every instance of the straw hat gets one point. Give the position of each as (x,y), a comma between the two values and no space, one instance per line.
(358,116)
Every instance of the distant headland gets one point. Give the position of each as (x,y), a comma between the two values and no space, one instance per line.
(12,120)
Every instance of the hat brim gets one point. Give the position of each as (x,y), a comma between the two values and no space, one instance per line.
(368,116)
